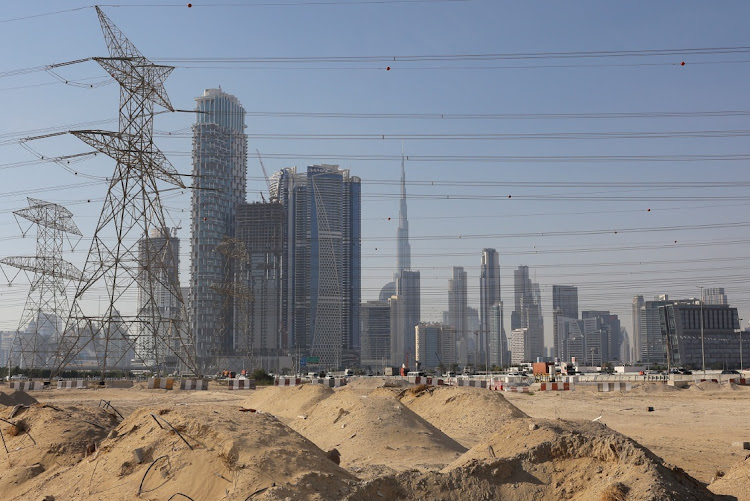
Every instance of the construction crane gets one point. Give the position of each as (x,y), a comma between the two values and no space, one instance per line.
(265,176)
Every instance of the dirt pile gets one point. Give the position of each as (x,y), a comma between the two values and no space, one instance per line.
(706,386)
(735,482)
(655,388)
(46,441)
(467,415)
(199,452)
(16,398)
(375,432)
(544,459)
(287,403)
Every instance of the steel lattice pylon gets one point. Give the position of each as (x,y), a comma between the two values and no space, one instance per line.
(132,208)
(35,341)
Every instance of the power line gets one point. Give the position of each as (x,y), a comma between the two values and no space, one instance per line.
(578,136)
(462,57)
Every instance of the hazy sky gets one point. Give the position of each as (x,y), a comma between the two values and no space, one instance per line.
(569,196)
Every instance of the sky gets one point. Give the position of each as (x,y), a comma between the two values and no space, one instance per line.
(568,136)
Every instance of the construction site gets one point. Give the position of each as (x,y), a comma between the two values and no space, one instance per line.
(374,438)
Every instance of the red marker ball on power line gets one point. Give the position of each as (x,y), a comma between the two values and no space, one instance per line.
(190,5)
(682,63)
(387,68)
(649,210)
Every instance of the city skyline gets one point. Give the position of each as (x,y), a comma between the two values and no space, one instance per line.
(456,207)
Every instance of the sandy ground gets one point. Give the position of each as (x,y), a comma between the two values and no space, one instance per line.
(392,442)
(691,428)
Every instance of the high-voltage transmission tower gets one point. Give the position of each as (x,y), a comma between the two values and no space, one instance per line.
(120,274)
(235,309)
(39,330)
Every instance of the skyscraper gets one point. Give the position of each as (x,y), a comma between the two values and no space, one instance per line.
(652,342)
(260,227)
(528,311)
(636,333)
(564,305)
(498,341)
(489,296)
(323,258)
(375,347)
(457,311)
(219,177)
(403,259)
(405,314)
(435,345)
(714,295)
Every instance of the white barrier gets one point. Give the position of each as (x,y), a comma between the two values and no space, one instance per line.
(240,384)
(160,383)
(193,384)
(78,384)
(333,382)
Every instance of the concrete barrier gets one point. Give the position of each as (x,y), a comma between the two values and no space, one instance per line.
(472,383)
(163,383)
(559,387)
(240,384)
(616,386)
(332,382)
(77,384)
(26,385)
(501,385)
(193,384)
(740,380)
(287,381)
(678,384)
(706,381)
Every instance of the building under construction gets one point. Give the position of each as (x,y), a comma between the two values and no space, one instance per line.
(260,227)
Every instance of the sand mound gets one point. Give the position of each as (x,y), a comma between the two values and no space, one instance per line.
(15,398)
(454,411)
(706,386)
(371,383)
(234,454)
(655,388)
(735,482)
(54,438)
(287,402)
(528,459)
(375,428)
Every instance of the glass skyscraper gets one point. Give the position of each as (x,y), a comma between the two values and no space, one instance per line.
(323,260)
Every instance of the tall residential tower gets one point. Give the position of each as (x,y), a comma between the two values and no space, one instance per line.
(219,177)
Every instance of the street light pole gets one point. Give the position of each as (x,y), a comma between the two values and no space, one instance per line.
(740,323)
(703,351)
